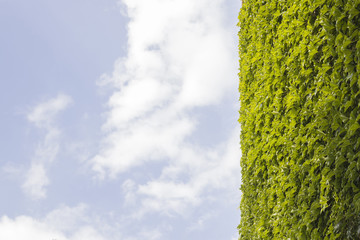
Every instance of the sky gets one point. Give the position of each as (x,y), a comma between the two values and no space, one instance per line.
(119,120)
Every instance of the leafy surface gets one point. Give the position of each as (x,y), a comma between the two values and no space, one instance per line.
(300,119)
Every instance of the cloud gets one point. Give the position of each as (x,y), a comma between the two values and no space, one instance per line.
(43,117)
(178,59)
(128,188)
(192,177)
(182,58)
(24,227)
(67,219)
(36,181)
(64,223)
(44,113)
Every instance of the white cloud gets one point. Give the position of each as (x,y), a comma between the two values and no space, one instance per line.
(36,181)
(128,188)
(192,177)
(64,223)
(67,219)
(44,113)
(141,141)
(47,150)
(24,227)
(43,116)
(182,57)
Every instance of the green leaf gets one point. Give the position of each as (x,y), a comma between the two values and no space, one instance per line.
(353,128)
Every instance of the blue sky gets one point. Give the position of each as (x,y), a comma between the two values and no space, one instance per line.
(119,120)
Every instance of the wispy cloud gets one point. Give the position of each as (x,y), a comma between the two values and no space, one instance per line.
(64,223)
(181,57)
(192,177)
(43,117)
(36,181)
(43,114)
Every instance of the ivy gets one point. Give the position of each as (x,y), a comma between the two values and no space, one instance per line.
(300,118)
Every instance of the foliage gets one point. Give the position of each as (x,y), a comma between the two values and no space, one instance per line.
(300,119)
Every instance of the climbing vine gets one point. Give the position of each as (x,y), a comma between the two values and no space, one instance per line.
(300,119)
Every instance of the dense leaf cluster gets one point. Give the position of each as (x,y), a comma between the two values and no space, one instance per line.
(300,119)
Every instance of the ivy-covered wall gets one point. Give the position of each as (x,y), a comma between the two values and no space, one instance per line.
(300,119)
